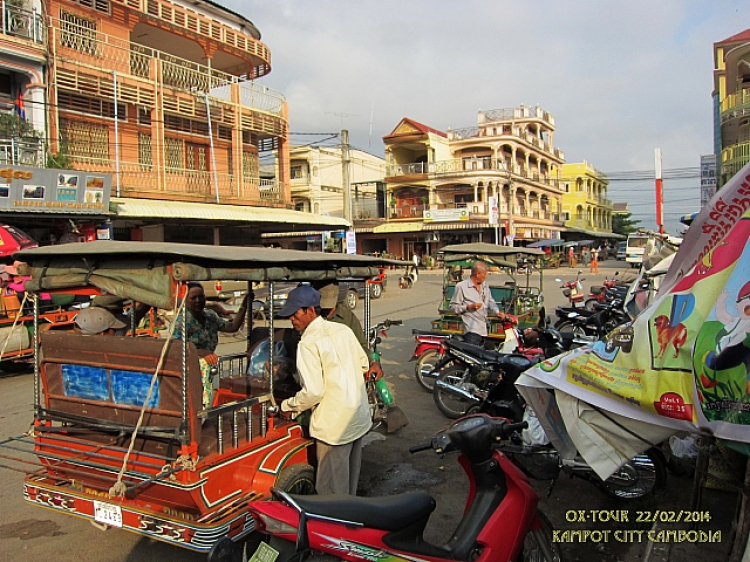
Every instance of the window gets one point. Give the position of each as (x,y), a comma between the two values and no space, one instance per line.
(296,172)
(78,33)
(85,141)
(145,155)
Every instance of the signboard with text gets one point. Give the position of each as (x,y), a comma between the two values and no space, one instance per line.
(494,212)
(708,177)
(446,215)
(351,242)
(27,189)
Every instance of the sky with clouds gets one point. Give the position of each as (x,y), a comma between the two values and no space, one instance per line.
(621,79)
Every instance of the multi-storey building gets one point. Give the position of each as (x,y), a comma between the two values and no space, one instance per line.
(160,97)
(23,56)
(440,186)
(317,181)
(732,104)
(585,206)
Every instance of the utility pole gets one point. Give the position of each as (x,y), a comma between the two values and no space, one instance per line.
(511,201)
(659,191)
(345,180)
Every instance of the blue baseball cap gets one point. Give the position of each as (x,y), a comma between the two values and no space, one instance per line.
(303,296)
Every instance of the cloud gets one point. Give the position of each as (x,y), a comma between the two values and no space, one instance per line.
(620,79)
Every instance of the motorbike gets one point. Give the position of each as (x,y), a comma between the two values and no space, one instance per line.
(426,354)
(639,477)
(573,290)
(382,408)
(606,292)
(467,372)
(588,326)
(501,521)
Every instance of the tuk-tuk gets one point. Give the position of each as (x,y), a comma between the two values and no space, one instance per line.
(120,430)
(519,292)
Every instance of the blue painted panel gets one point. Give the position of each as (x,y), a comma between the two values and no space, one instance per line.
(80,381)
(131,388)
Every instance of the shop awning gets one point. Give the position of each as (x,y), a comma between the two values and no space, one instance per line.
(127,208)
(595,233)
(398,227)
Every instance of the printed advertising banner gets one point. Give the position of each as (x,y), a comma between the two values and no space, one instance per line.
(684,362)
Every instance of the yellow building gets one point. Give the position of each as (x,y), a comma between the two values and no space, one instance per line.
(586,208)
(732,104)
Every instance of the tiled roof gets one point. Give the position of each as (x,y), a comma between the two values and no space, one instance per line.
(417,125)
(741,37)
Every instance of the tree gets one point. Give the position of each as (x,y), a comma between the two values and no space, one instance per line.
(623,224)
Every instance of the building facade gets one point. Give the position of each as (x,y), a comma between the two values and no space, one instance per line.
(441,186)
(160,99)
(731,98)
(317,184)
(585,206)
(23,57)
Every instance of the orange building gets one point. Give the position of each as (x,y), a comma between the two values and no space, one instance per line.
(160,95)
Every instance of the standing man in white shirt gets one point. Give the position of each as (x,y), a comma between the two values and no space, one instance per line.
(331,365)
(473,300)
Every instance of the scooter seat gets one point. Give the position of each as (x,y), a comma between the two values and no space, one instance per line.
(389,513)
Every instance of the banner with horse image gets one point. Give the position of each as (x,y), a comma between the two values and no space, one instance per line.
(685,360)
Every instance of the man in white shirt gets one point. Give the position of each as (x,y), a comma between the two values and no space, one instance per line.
(331,365)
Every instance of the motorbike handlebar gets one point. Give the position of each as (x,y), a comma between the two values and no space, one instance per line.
(418,448)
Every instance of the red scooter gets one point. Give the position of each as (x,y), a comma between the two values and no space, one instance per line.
(501,521)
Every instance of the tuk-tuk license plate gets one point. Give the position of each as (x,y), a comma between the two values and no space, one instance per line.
(108,514)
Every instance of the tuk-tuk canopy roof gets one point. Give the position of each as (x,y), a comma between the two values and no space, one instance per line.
(485,249)
(146,271)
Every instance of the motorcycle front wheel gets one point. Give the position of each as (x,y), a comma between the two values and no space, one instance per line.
(538,545)
(642,475)
(425,363)
(575,330)
(450,404)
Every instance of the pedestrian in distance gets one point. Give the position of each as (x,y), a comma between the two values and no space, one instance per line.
(586,255)
(331,365)
(594,261)
(571,257)
(473,301)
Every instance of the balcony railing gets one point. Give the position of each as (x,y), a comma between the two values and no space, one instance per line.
(25,152)
(76,44)
(22,22)
(734,102)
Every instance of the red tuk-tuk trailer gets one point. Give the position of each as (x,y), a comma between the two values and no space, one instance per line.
(119,426)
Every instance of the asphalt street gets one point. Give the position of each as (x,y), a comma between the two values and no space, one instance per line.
(28,533)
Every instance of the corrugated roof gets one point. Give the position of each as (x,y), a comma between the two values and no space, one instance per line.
(149,208)
(416,125)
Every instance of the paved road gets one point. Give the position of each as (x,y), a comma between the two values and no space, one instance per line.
(28,533)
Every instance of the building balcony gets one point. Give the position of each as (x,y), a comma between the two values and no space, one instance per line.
(22,152)
(734,158)
(515,114)
(203,28)
(143,71)
(23,24)
(177,184)
(735,105)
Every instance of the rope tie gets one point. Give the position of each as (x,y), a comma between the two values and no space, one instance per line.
(119,488)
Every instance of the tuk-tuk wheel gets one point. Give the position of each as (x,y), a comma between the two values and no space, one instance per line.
(376,289)
(225,550)
(296,479)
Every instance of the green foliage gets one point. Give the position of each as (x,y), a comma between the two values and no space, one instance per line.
(623,224)
(12,126)
(60,160)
